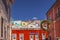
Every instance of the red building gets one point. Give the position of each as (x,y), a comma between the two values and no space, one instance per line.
(53,15)
(29,30)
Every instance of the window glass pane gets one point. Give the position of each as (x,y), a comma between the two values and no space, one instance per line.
(21,36)
(59,9)
(13,36)
(50,17)
(37,37)
(1,27)
(31,37)
(58,15)
(43,36)
(0,8)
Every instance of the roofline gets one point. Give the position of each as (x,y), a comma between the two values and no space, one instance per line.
(51,7)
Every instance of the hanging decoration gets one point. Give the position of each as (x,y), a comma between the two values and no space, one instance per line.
(45,25)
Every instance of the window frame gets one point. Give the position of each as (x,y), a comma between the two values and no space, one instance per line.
(31,35)
(2,24)
(42,36)
(37,36)
(21,34)
(58,14)
(13,36)
(50,17)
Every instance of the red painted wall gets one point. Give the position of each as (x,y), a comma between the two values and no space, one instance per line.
(27,32)
(53,11)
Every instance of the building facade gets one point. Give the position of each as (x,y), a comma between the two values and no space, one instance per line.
(53,15)
(5,19)
(28,30)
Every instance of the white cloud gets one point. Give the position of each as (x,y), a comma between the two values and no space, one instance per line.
(34,18)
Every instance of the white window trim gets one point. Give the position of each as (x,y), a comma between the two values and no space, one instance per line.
(15,35)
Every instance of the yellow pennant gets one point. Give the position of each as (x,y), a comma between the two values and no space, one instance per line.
(24,23)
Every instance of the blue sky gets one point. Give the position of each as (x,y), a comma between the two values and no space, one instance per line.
(30,9)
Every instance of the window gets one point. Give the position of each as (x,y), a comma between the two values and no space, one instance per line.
(31,37)
(59,10)
(43,36)
(14,36)
(37,37)
(58,15)
(1,28)
(0,8)
(21,36)
(50,17)
(49,38)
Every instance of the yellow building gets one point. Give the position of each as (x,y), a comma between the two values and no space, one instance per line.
(5,19)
